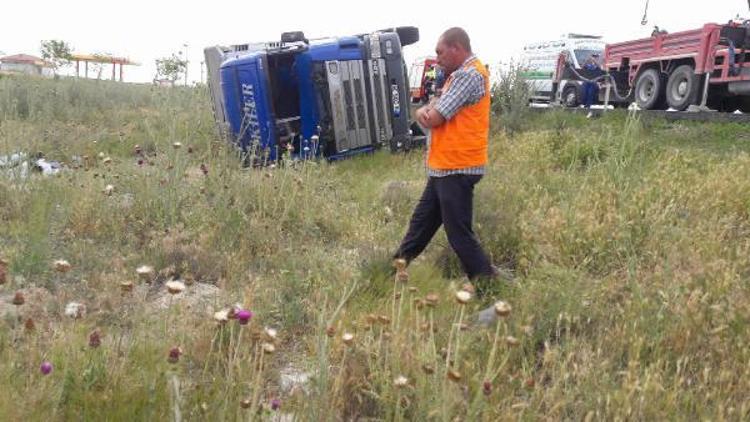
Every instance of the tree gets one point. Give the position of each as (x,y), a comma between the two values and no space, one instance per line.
(56,52)
(170,68)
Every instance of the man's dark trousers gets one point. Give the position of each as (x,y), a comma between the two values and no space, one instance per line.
(449,201)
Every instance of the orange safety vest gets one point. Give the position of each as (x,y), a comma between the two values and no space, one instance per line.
(461,142)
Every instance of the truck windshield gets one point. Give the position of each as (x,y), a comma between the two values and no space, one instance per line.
(583,55)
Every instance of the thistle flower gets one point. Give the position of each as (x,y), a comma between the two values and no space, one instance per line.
(109,189)
(268,348)
(174,355)
(46,367)
(487,388)
(145,272)
(348,339)
(275,404)
(400,381)
(62,266)
(177,145)
(330,331)
(18,299)
(432,300)
(175,287)
(243,316)
(29,325)
(400,264)
(502,309)
(463,297)
(221,316)
(95,339)
(75,310)
(246,403)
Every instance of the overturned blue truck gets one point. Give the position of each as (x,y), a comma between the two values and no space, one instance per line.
(300,98)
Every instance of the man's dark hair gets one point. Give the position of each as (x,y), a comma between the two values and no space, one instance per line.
(457,36)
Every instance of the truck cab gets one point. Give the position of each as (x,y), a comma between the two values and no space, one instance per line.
(331,97)
(543,75)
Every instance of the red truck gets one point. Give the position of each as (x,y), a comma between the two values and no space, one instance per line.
(709,65)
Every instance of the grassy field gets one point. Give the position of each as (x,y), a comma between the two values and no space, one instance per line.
(629,239)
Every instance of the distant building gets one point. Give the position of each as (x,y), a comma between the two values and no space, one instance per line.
(27,65)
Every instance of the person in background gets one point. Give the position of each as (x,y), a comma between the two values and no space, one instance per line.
(592,70)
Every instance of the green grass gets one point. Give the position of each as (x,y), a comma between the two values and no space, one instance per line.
(629,239)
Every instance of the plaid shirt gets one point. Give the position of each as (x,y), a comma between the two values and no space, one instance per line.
(467,87)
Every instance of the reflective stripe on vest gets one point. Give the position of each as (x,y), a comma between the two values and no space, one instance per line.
(461,142)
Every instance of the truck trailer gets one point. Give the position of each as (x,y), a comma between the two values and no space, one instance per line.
(332,97)
(708,66)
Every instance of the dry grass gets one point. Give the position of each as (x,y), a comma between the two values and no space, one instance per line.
(630,241)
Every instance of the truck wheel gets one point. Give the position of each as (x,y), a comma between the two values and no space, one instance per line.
(649,90)
(570,96)
(682,88)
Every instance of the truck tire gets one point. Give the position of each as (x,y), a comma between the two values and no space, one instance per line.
(570,96)
(649,90)
(682,88)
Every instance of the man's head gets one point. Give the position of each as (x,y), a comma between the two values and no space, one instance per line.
(453,48)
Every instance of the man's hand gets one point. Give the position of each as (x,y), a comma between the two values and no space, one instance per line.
(429,118)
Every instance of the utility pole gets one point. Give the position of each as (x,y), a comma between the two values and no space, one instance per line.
(186,63)
(203,63)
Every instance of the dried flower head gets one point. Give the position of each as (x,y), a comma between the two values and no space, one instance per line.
(221,316)
(126,286)
(29,325)
(174,354)
(109,189)
(75,310)
(468,287)
(175,287)
(512,341)
(400,264)
(268,348)
(246,403)
(107,160)
(348,338)
(454,375)
(145,272)
(3,271)
(401,381)
(176,145)
(402,276)
(270,334)
(61,266)
(502,309)
(330,331)
(432,300)
(18,299)
(371,319)
(137,150)
(463,297)
(383,319)
(95,339)
(413,289)
(46,368)
(428,369)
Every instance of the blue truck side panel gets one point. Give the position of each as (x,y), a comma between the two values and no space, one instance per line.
(309,113)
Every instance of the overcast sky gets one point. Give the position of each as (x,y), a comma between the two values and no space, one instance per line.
(146,30)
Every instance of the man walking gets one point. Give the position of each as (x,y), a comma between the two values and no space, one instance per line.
(457,155)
